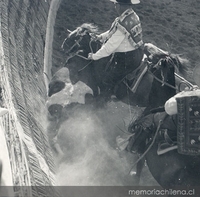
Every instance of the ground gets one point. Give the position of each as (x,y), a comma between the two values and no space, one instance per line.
(88,137)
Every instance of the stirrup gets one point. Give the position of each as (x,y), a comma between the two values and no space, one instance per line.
(165,147)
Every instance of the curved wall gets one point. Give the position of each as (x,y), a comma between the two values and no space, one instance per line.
(26,39)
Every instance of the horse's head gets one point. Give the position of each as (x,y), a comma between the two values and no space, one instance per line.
(162,62)
(164,67)
(78,40)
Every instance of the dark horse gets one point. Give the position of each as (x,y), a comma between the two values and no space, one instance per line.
(170,169)
(77,46)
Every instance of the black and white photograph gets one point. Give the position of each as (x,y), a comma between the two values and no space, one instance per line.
(99,98)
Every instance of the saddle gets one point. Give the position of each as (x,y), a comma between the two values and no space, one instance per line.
(151,52)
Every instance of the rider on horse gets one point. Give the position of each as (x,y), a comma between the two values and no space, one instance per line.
(124,41)
(168,128)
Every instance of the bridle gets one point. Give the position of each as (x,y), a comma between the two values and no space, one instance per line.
(157,65)
(77,53)
(77,43)
(163,82)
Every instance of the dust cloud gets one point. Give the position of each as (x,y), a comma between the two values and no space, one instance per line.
(88,140)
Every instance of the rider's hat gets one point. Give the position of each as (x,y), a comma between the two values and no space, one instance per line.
(126,1)
(196,75)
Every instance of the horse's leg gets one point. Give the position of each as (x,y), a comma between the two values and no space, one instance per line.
(139,168)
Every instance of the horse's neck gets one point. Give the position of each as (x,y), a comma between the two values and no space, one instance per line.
(160,93)
(89,47)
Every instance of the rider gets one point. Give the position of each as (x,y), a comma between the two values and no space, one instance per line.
(124,40)
(169,118)
(171,104)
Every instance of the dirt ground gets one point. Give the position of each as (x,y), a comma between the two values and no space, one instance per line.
(88,137)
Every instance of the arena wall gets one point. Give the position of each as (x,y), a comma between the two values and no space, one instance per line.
(25,41)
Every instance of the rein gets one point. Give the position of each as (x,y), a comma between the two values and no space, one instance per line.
(189,85)
(162,82)
(77,43)
(85,66)
(85,58)
(77,54)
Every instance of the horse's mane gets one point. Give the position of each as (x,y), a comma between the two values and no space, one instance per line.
(91,28)
(151,49)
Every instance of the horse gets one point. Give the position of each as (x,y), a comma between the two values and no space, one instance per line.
(79,43)
(169,168)
(157,85)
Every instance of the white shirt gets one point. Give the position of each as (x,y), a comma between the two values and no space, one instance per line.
(171,104)
(118,42)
